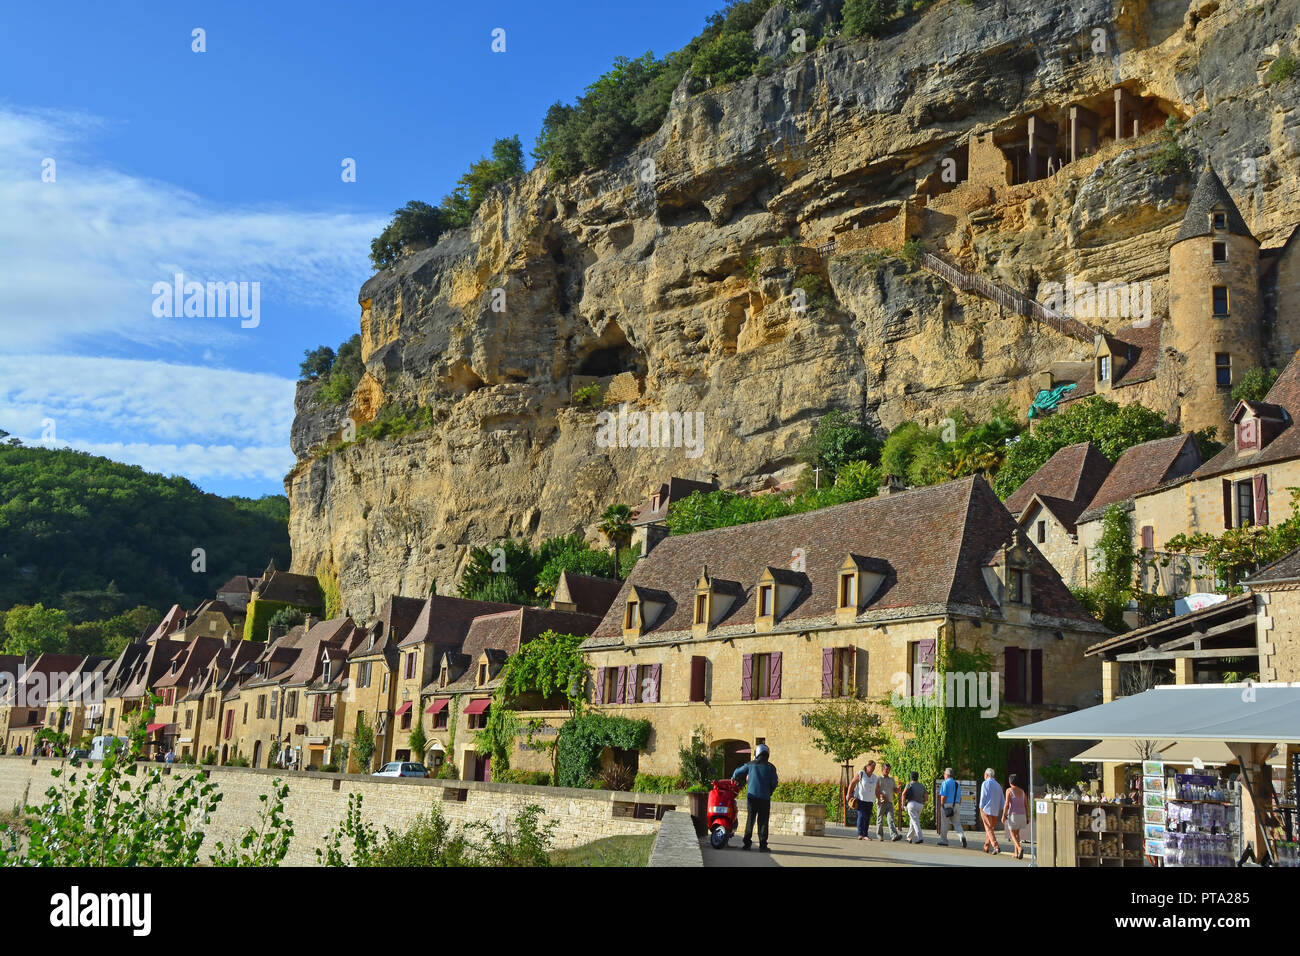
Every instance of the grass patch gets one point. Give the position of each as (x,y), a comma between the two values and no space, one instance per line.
(624,850)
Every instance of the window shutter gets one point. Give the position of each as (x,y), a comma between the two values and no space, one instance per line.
(620,686)
(828,671)
(1227,503)
(1015,683)
(747,677)
(927,648)
(1148,538)
(774,676)
(1036,676)
(655,671)
(1261,499)
(598,693)
(697,678)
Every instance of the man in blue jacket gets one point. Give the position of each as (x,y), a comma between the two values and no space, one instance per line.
(762,779)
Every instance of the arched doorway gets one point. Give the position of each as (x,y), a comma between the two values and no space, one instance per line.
(257,754)
(224,752)
(735,753)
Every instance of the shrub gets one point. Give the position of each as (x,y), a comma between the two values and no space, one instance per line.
(342,376)
(867,17)
(428,841)
(659,783)
(209,759)
(1171,159)
(805,791)
(582,738)
(912,251)
(1281,69)
(1255,384)
(529,778)
(815,291)
(697,761)
(238,760)
(588,395)
(415,224)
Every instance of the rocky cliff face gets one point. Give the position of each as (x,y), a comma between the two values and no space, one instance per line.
(663,276)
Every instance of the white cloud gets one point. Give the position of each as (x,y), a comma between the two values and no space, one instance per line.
(79,256)
(195,421)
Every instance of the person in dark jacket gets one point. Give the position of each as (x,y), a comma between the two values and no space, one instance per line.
(760,773)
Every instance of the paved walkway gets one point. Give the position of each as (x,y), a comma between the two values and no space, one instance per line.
(841,847)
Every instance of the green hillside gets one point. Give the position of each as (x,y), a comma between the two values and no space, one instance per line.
(95,538)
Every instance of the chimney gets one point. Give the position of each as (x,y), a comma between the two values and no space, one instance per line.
(306,622)
(893,484)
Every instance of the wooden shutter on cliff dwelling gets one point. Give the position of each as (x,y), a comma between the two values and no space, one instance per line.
(1036,676)
(1227,503)
(774,675)
(598,693)
(697,678)
(828,671)
(1261,499)
(655,672)
(747,677)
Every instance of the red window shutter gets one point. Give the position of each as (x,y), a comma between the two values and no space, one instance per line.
(620,686)
(1227,503)
(828,671)
(697,678)
(747,677)
(655,672)
(1261,499)
(1036,676)
(1015,683)
(774,676)
(927,649)
(1148,538)
(598,692)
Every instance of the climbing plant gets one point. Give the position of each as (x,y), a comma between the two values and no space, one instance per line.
(583,738)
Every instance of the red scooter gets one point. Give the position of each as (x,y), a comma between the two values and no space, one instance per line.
(722,815)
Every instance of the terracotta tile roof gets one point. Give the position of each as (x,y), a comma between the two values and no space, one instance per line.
(194,657)
(151,666)
(300,590)
(591,595)
(239,584)
(1210,192)
(11,664)
(173,619)
(1143,468)
(934,540)
(80,678)
(1285,570)
(444,619)
(117,676)
(1073,475)
(1144,345)
(46,674)
(395,620)
(1284,396)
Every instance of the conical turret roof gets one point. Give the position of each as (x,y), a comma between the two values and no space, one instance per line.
(1210,193)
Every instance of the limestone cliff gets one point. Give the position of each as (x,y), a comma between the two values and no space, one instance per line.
(664,275)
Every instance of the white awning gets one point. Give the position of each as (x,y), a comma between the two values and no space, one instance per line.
(1239,713)
(1212,753)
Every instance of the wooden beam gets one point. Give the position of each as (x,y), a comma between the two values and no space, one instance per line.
(1153,654)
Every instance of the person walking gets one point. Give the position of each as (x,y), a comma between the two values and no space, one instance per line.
(867,790)
(950,808)
(760,774)
(991,805)
(1015,813)
(914,797)
(887,789)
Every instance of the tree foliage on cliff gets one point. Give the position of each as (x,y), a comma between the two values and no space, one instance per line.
(95,537)
(513,572)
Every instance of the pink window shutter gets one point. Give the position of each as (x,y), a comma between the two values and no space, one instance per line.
(598,692)
(747,677)
(1261,499)
(828,671)
(620,689)
(774,676)
(655,671)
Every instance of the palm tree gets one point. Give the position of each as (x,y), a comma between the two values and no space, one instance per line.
(616,526)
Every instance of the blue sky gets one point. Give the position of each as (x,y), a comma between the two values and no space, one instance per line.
(225,166)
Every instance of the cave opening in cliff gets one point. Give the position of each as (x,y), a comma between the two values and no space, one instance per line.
(611,354)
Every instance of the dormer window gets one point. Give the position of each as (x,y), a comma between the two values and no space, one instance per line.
(632,616)
(442,676)
(1016,586)
(849,590)
(1218,220)
(701,609)
(654,503)
(765,600)
(482,674)
(1103,368)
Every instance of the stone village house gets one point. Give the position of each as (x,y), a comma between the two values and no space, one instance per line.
(742,629)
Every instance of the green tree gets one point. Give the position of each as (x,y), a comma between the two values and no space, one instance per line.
(570,553)
(506,163)
(316,362)
(35,629)
(616,526)
(1255,384)
(837,440)
(419,741)
(867,17)
(1113,588)
(1111,427)
(363,745)
(845,728)
(287,618)
(415,225)
(344,374)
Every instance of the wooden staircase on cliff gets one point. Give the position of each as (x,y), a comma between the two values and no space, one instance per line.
(1009,299)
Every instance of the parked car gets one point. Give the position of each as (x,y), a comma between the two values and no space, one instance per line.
(100,747)
(400,769)
(79,754)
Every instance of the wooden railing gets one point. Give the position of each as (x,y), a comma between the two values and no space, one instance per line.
(1006,298)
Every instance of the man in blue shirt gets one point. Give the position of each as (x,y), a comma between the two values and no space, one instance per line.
(990,811)
(949,809)
(761,775)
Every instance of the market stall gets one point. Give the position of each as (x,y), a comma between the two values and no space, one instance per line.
(1188,819)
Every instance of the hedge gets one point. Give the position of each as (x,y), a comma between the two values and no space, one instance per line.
(581,740)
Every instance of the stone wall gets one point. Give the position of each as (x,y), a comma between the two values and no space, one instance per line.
(318,802)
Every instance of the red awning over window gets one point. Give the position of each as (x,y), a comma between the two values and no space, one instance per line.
(438,706)
(478,706)
(152,727)
(403,709)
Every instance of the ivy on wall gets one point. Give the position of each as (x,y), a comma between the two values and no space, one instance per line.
(582,739)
